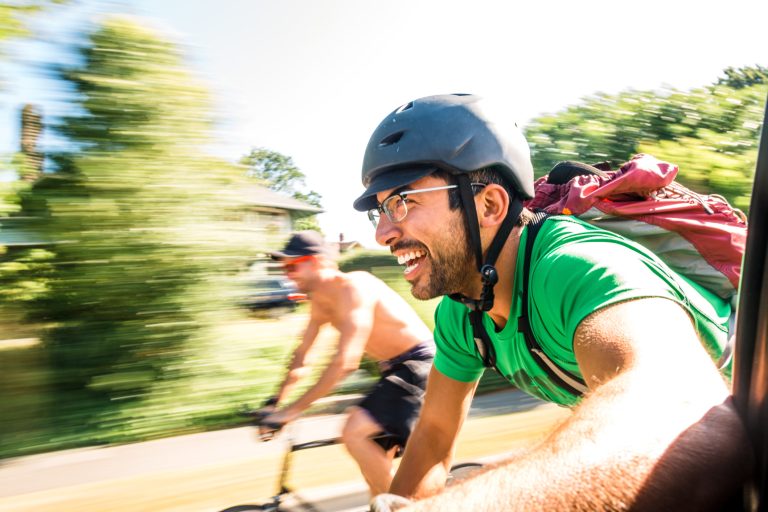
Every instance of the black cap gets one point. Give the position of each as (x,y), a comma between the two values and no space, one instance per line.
(303,243)
(387,181)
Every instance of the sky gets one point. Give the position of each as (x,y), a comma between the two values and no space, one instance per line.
(311,79)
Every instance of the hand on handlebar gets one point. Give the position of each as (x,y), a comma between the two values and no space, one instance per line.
(388,503)
(269,424)
(277,419)
(263,419)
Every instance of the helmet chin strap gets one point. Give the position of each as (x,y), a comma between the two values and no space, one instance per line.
(487,270)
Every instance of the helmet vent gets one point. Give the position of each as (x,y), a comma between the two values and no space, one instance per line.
(393,138)
(405,107)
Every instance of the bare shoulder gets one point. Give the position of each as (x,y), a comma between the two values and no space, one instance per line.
(389,306)
(362,278)
(350,289)
(362,283)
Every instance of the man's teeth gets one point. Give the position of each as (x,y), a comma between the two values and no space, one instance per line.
(409,268)
(403,259)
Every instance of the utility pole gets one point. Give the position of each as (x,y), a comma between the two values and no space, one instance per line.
(31,129)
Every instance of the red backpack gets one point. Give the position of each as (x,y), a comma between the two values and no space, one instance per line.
(699,236)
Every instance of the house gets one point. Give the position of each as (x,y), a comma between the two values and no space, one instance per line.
(343,245)
(268,211)
(262,212)
(257,211)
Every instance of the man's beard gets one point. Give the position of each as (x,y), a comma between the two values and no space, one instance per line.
(451,264)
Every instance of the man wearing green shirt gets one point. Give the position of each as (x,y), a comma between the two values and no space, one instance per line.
(654,429)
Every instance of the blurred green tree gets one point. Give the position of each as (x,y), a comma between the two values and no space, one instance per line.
(711,133)
(738,78)
(15,17)
(16,266)
(131,211)
(278,172)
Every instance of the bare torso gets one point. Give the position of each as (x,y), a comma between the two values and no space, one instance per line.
(396,326)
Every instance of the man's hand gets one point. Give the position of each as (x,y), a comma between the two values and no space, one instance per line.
(388,503)
(273,421)
(269,418)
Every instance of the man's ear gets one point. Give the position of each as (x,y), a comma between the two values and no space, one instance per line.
(492,204)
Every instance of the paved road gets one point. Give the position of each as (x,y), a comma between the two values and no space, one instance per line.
(29,483)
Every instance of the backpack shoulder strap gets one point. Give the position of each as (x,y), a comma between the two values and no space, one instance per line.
(571,383)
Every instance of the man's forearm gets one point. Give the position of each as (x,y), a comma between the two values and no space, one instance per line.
(618,455)
(292,377)
(297,368)
(325,384)
(430,448)
(425,464)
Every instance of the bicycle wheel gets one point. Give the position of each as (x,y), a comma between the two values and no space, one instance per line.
(462,471)
(266,507)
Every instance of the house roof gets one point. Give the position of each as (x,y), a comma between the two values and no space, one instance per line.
(257,195)
(346,246)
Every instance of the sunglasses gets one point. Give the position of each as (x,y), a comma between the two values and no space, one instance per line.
(395,207)
(290,266)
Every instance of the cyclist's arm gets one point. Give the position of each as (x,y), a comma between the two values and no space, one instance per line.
(657,432)
(298,368)
(354,330)
(430,448)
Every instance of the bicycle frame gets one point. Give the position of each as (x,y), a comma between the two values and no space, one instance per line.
(282,488)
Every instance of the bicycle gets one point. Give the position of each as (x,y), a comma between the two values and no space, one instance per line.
(276,503)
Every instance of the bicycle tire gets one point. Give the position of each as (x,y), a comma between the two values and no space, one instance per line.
(462,471)
(266,507)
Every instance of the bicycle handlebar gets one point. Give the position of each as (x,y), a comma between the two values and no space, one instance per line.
(267,430)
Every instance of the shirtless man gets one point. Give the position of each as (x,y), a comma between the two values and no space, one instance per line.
(372,319)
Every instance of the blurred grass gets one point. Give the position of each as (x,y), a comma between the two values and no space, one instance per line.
(237,358)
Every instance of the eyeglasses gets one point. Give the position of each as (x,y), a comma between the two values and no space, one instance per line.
(395,207)
(290,266)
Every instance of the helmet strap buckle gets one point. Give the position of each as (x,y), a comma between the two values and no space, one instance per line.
(488,272)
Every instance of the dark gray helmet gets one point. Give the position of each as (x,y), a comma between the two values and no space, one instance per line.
(453,132)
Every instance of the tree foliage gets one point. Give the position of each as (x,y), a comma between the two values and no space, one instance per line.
(15,287)
(278,172)
(130,214)
(739,78)
(711,133)
(15,17)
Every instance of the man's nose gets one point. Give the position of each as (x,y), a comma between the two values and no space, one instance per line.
(387,232)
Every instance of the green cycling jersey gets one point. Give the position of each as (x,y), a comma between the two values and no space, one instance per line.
(576,269)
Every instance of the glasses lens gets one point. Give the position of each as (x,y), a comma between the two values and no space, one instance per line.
(373,216)
(394,207)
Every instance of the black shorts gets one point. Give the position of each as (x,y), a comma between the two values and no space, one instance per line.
(395,401)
